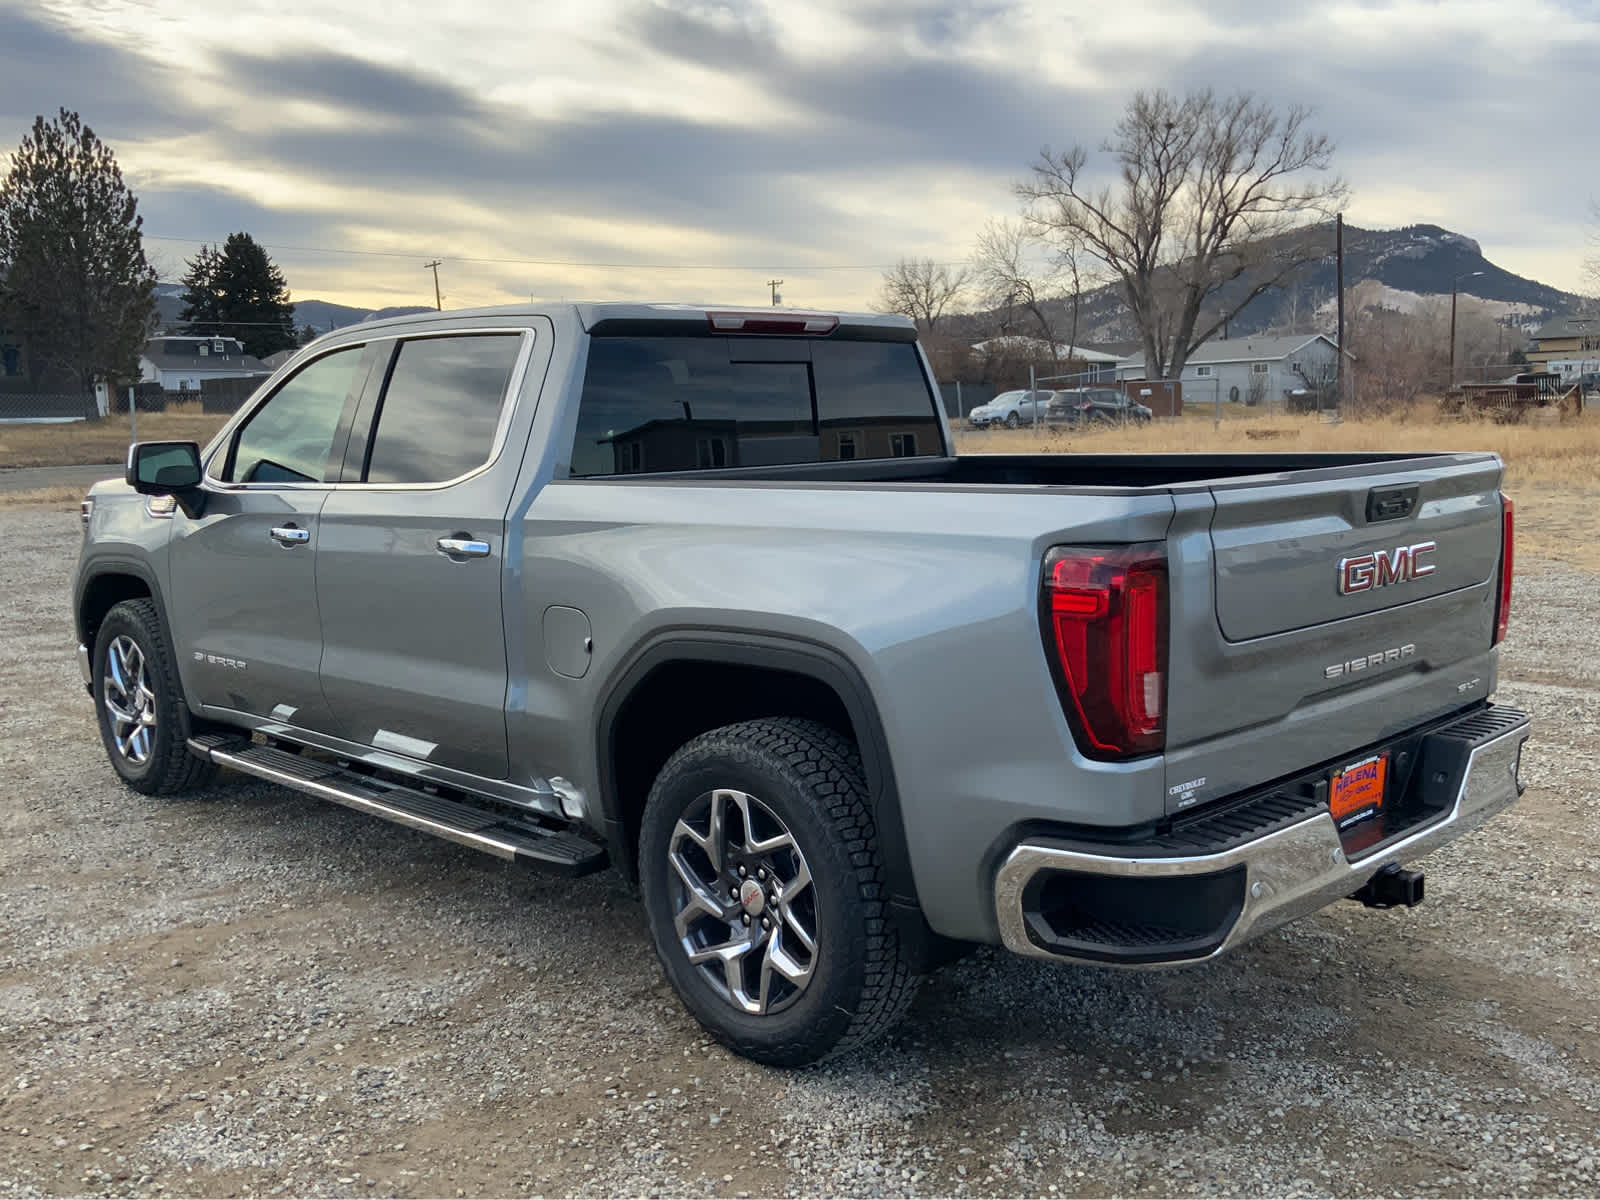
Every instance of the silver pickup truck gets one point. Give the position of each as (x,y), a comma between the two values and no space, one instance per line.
(707,597)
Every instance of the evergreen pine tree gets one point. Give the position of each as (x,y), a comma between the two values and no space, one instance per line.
(73,276)
(239,292)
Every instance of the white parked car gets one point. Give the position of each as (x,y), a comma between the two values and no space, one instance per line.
(1010,409)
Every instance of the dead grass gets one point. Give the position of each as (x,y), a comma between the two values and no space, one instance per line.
(1552,470)
(64,499)
(105,441)
(1562,454)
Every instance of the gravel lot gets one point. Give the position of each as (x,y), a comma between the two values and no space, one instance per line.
(259,993)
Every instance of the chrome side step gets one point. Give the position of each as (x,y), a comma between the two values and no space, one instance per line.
(505,836)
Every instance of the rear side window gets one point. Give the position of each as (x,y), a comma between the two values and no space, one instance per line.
(441,407)
(653,404)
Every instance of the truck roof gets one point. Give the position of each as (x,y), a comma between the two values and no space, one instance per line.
(591,313)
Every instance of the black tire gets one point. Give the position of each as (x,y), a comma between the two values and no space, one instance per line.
(810,779)
(161,765)
(1012,420)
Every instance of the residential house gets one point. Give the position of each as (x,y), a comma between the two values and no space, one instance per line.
(1251,370)
(182,364)
(1568,346)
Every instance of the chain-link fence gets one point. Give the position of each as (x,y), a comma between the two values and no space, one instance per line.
(46,406)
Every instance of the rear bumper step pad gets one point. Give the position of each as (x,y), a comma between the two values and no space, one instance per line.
(1163,904)
(557,851)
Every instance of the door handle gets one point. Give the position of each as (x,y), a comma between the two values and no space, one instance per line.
(289,535)
(459,547)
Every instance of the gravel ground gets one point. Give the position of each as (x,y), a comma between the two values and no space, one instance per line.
(258,993)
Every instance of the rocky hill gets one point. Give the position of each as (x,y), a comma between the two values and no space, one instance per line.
(1412,263)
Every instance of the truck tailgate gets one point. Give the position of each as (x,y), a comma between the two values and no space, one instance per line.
(1320,612)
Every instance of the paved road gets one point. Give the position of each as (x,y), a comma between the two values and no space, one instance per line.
(29,479)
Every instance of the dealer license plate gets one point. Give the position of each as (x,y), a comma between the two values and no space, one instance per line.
(1357,791)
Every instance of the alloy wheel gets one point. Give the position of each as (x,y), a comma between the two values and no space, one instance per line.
(744,908)
(129,700)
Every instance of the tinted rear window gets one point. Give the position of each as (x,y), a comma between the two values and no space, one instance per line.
(654,404)
(441,408)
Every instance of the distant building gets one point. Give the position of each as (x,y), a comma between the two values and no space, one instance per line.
(1251,370)
(182,364)
(1568,346)
(1087,365)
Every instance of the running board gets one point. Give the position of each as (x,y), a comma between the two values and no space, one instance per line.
(560,852)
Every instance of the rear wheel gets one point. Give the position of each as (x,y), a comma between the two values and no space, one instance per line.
(762,883)
(144,720)
(1012,420)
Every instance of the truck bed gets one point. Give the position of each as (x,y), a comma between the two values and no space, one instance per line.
(1097,471)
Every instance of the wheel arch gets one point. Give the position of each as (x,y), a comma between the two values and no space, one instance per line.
(108,583)
(825,686)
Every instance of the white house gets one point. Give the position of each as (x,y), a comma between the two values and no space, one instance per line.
(182,364)
(1251,370)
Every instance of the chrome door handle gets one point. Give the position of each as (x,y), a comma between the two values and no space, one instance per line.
(462,547)
(288,535)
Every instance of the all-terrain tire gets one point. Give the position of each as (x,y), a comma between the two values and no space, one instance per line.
(809,778)
(160,764)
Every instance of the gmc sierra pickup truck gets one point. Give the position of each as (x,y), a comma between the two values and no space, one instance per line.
(706,596)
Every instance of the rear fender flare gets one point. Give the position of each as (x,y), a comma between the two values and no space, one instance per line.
(819,662)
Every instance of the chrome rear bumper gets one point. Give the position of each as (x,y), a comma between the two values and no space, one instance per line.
(1254,887)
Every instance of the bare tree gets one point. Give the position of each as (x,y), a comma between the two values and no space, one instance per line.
(922,290)
(1591,265)
(1014,281)
(1210,190)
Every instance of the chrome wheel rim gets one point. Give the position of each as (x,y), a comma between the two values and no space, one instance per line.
(743,906)
(129,700)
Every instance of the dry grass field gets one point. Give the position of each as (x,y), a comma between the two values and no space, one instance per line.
(104,441)
(1552,470)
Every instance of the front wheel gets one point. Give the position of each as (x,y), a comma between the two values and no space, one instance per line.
(144,720)
(763,887)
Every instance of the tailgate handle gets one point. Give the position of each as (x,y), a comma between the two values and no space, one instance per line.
(1390,504)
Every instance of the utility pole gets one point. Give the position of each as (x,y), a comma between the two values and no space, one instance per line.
(1455,286)
(1338,254)
(438,301)
(775,284)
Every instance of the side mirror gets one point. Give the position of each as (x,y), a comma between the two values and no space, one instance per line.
(163,468)
(168,469)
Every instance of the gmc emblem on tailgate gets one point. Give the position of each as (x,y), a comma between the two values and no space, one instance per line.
(1384,567)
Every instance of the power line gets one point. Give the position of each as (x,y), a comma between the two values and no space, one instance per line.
(563,262)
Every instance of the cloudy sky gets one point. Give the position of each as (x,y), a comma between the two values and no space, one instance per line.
(691,149)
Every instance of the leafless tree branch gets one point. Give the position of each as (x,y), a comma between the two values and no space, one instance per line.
(922,290)
(1211,189)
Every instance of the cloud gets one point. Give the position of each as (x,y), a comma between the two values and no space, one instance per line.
(118,92)
(767,134)
(356,86)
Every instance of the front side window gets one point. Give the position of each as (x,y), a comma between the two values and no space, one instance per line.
(289,439)
(441,407)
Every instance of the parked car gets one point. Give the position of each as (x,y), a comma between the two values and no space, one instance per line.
(1083,406)
(1010,409)
(707,597)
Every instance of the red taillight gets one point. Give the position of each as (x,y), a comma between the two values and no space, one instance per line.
(1508,546)
(1105,612)
(775,323)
